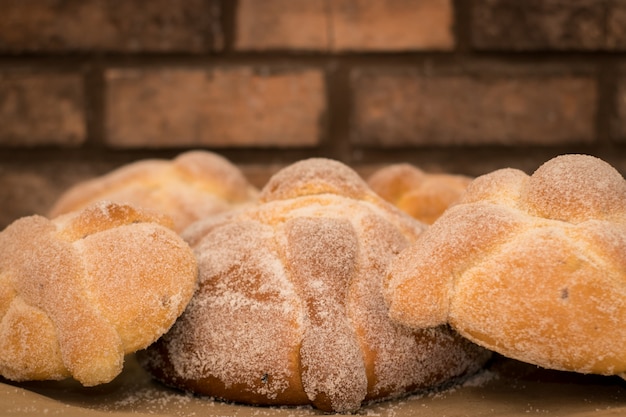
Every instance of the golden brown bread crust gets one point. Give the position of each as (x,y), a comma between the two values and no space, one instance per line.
(189,187)
(289,308)
(531,267)
(424,196)
(80,291)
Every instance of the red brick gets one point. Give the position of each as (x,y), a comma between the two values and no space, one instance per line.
(404,109)
(23,194)
(121,26)
(616,26)
(344,25)
(31,185)
(282,24)
(230,106)
(549,25)
(392,25)
(41,109)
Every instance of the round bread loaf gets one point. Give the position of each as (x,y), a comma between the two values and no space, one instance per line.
(192,186)
(289,309)
(79,292)
(533,267)
(424,196)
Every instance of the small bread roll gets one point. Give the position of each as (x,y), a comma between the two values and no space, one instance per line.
(424,196)
(79,292)
(289,309)
(194,185)
(532,267)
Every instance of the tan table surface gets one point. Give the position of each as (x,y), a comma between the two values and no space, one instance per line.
(506,388)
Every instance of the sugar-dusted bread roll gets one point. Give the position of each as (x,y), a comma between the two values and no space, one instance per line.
(533,267)
(80,291)
(425,196)
(289,309)
(191,186)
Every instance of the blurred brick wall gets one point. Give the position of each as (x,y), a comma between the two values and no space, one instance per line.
(464,86)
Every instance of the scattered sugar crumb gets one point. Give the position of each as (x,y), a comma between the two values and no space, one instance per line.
(480,379)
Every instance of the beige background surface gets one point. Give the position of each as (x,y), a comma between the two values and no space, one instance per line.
(506,388)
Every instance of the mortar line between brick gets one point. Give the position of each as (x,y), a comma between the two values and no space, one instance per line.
(228,15)
(338,145)
(606,110)
(94,103)
(462,25)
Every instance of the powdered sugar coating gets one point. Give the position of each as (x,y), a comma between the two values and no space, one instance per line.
(312,177)
(531,267)
(575,189)
(81,291)
(194,185)
(289,308)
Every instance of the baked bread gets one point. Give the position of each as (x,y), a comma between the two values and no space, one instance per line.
(425,196)
(532,267)
(193,185)
(80,291)
(289,309)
